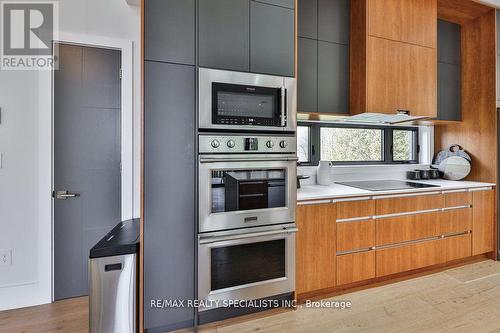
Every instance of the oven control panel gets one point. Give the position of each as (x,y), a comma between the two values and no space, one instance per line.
(242,144)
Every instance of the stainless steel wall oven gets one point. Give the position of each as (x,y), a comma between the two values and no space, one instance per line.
(247,198)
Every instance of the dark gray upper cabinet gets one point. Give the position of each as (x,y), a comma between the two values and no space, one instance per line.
(271,39)
(449,71)
(307,85)
(333,20)
(169,31)
(307,18)
(333,78)
(282,3)
(169,218)
(448,49)
(224,34)
(449,92)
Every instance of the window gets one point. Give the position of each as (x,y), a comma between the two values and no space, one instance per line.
(303,138)
(356,144)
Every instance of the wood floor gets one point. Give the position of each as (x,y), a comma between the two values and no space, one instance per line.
(463,299)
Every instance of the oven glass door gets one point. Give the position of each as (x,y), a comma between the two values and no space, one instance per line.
(235,104)
(249,265)
(236,265)
(246,194)
(238,190)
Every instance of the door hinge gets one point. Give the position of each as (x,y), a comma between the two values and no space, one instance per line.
(121,73)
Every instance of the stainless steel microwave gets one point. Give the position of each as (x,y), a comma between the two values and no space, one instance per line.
(246,101)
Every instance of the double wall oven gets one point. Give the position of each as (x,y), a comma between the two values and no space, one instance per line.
(247,186)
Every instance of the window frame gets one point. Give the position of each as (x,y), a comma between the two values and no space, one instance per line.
(387,144)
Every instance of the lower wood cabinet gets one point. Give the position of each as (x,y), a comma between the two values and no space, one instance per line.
(483,228)
(315,247)
(407,257)
(458,247)
(355,235)
(350,241)
(355,267)
(455,220)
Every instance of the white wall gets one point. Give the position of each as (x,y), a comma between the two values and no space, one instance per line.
(22,228)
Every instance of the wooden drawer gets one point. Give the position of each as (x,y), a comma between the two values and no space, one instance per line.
(393,260)
(355,235)
(455,221)
(428,253)
(404,228)
(427,225)
(454,199)
(407,257)
(458,247)
(410,203)
(355,267)
(354,209)
(395,229)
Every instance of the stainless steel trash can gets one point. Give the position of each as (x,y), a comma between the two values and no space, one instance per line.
(113,277)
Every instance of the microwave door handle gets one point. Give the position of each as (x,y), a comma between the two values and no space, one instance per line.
(217,239)
(283,107)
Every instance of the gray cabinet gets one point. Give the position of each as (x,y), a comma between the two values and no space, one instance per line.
(307,88)
(449,71)
(169,192)
(323,83)
(169,31)
(307,25)
(282,3)
(224,34)
(333,78)
(271,39)
(333,21)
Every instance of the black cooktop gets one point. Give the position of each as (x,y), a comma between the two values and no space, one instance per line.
(386,185)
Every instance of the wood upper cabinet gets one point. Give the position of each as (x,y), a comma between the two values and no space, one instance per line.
(400,76)
(410,21)
(393,57)
(315,247)
(483,221)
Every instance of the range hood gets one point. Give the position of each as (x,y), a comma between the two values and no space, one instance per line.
(364,118)
(384,118)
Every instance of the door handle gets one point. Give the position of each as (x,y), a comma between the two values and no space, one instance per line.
(63,195)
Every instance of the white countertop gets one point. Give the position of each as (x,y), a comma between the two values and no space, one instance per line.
(319,192)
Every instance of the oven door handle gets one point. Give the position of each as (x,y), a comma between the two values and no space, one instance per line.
(283,107)
(217,239)
(253,159)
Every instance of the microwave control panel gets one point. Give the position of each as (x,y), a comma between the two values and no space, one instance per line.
(244,144)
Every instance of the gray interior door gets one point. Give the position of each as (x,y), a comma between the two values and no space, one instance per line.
(87,158)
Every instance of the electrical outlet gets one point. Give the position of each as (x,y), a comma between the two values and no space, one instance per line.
(5,257)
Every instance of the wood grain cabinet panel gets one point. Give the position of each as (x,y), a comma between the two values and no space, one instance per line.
(407,257)
(483,221)
(427,225)
(315,247)
(455,199)
(395,229)
(455,221)
(458,247)
(353,209)
(355,235)
(401,76)
(427,253)
(393,260)
(410,21)
(355,267)
(408,204)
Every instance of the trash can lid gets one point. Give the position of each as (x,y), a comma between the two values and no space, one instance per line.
(122,239)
